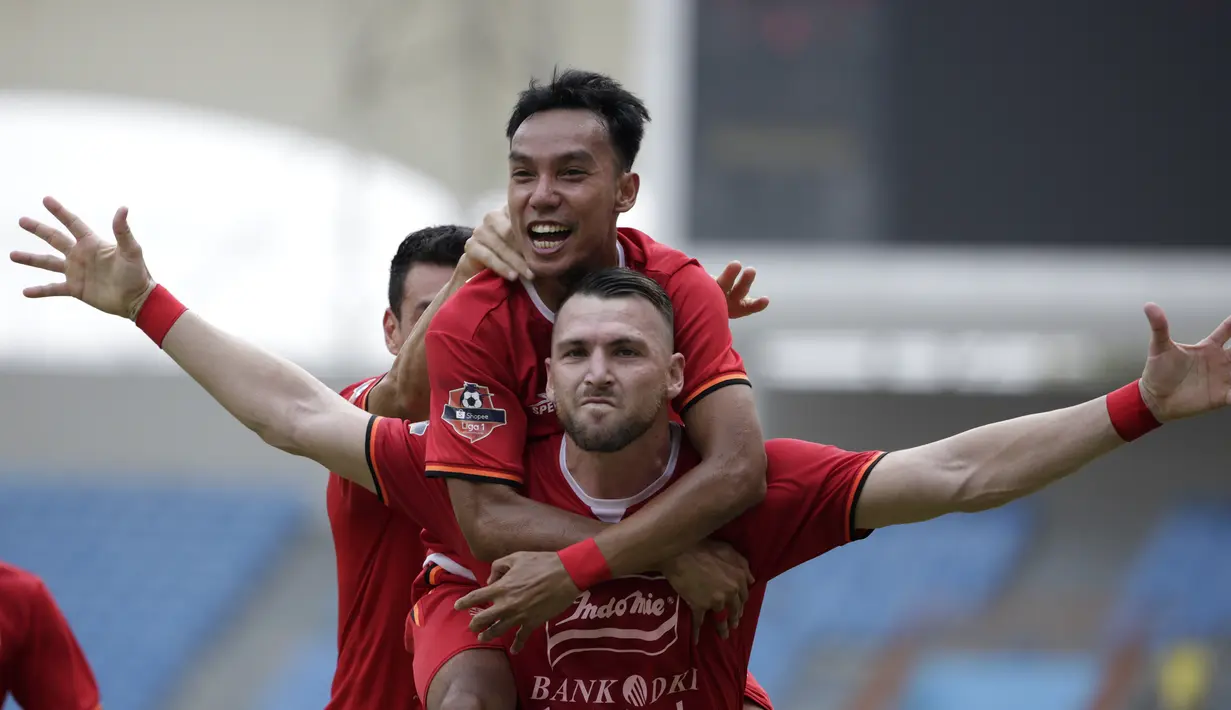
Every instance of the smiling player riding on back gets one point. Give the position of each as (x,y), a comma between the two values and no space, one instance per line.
(572,145)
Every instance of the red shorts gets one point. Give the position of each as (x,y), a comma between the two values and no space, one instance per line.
(437,632)
(755,694)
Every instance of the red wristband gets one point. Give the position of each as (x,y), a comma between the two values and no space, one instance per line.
(1130,416)
(159,313)
(585,564)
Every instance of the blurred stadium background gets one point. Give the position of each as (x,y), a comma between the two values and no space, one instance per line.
(956,208)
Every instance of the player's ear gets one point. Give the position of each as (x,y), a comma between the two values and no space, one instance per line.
(551,391)
(675,376)
(627,187)
(392,342)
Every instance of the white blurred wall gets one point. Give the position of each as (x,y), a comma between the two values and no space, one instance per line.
(427,83)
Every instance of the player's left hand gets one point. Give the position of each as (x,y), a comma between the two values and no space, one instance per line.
(736,282)
(1185,380)
(711,577)
(525,591)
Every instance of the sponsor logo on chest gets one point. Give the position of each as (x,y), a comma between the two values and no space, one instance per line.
(637,615)
(632,691)
(543,405)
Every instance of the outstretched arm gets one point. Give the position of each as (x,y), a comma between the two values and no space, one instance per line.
(283,404)
(989,466)
(275,398)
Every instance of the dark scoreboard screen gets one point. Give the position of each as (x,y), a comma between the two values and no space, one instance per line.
(785,119)
(951,121)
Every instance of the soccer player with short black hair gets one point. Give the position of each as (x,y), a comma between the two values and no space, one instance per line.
(378,551)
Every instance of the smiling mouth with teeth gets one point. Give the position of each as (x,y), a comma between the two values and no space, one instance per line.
(547,238)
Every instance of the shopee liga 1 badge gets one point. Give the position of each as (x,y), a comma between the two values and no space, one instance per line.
(471,413)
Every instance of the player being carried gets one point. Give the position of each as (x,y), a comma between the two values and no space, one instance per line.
(613,371)
(379,551)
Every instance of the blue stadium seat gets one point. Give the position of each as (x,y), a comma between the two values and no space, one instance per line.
(862,594)
(1004,680)
(1180,584)
(145,574)
(305,680)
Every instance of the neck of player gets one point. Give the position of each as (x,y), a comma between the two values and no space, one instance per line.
(552,290)
(624,473)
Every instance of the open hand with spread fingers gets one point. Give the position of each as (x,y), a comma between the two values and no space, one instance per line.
(1185,380)
(110,276)
(736,281)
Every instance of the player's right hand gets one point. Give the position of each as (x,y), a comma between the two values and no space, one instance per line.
(108,276)
(494,246)
(711,577)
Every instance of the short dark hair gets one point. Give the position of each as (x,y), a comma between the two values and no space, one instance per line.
(619,282)
(442,245)
(622,113)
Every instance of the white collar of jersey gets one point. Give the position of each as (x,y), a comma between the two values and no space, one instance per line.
(549,314)
(611,510)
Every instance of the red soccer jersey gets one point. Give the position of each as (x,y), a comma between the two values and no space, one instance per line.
(396,451)
(486,350)
(629,638)
(379,554)
(40,661)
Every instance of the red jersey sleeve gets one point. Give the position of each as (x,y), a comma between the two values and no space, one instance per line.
(755,694)
(702,336)
(809,504)
(396,450)
(478,430)
(52,673)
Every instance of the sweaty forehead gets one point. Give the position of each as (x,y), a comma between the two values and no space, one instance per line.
(598,320)
(548,135)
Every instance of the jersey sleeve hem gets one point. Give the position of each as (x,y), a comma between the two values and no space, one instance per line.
(369,444)
(712,385)
(472,473)
(852,533)
(362,400)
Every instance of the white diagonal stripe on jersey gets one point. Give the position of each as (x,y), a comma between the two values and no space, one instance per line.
(614,633)
(358,392)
